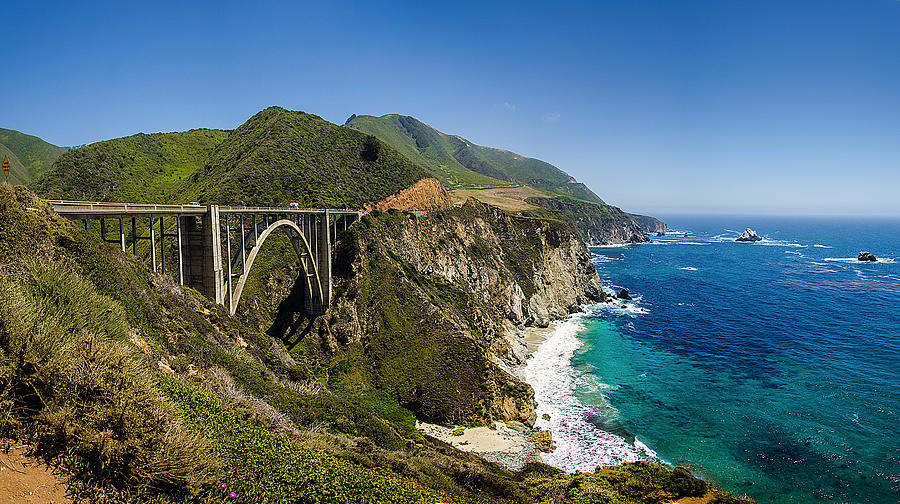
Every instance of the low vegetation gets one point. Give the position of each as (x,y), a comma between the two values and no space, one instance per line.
(280,156)
(29,156)
(459,163)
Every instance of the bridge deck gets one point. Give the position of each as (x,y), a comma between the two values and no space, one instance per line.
(99,208)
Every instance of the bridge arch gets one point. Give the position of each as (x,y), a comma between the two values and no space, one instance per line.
(304,252)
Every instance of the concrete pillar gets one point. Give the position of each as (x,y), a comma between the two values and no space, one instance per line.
(323,258)
(203,254)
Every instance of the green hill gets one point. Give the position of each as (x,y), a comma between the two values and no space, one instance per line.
(139,390)
(29,156)
(459,162)
(138,168)
(279,156)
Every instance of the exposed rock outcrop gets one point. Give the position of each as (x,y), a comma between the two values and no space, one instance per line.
(623,294)
(426,194)
(867,256)
(650,225)
(543,440)
(597,224)
(748,235)
(429,300)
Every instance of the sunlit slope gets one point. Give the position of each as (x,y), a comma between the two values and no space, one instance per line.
(280,156)
(459,162)
(138,168)
(28,155)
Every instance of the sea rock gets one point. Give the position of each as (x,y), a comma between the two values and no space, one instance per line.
(748,235)
(867,256)
(623,294)
(543,441)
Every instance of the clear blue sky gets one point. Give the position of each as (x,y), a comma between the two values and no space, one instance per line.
(659,106)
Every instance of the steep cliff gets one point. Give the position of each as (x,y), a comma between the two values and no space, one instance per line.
(423,307)
(649,224)
(596,224)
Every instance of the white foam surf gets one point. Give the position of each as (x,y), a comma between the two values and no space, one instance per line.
(580,444)
(780,243)
(688,268)
(854,260)
(818,245)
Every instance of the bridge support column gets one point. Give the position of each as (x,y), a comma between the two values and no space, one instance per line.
(323,259)
(203,254)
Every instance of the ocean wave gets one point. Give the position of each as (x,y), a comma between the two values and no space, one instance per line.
(692,243)
(780,243)
(854,260)
(818,245)
(600,258)
(580,444)
(688,268)
(613,245)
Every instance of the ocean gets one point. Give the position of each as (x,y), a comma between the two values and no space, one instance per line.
(771,369)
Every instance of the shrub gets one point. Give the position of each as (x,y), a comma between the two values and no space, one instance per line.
(78,393)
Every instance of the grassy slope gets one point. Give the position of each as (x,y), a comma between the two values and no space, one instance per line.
(423,145)
(279,156)
(250,418)
(139,168)
(29,156)
(458,161)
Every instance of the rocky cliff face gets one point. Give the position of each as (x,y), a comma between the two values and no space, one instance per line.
(597,224)
(602,231)
(426,194)
(425,305)
(650,225)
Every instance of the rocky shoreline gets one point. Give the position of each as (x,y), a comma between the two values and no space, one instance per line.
(510,444)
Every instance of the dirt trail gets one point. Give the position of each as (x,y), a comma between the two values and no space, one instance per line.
(24,480)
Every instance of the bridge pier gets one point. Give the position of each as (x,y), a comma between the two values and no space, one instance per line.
(202,254)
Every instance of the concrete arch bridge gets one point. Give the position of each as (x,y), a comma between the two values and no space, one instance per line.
(215,246)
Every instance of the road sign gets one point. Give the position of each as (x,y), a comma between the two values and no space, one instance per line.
(6,168)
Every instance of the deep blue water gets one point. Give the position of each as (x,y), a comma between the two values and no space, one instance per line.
(773,369)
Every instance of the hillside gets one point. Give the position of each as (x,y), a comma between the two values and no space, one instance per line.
(280,156)
(513,182)
(459,162)
(143,391)
(29,156)
(138,168)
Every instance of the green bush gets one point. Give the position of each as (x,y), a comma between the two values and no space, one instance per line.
(78,395)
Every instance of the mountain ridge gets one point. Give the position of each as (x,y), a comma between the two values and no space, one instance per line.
(466,168)
(29,155)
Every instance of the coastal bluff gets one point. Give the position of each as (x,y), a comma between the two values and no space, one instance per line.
(426,306)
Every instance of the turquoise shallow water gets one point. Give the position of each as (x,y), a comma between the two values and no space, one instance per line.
(772,369)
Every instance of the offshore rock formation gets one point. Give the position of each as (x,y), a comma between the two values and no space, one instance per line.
(425,305)
(748,235)
(867,256)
